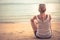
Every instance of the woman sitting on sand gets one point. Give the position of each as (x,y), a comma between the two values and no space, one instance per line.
(42,29)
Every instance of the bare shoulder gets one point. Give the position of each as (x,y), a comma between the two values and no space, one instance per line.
(49,17)
(34,17)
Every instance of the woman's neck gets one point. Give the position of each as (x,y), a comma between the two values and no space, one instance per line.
(42,13)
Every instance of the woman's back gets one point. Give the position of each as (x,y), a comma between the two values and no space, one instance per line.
(43,27)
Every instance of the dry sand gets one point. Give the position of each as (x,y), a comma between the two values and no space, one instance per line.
(23,31)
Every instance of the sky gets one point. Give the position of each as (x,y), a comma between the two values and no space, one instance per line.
(29,1)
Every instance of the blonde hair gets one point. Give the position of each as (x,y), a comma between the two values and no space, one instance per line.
(42,5)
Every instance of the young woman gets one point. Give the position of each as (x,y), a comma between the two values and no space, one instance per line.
(42,29)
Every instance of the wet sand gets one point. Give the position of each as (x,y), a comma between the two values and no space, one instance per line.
(23,31)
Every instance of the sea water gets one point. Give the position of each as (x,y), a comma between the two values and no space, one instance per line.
(23,12)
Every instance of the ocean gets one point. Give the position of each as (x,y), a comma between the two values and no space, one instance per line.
(23,12)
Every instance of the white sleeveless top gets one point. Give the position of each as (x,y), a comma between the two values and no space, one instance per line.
(43,28)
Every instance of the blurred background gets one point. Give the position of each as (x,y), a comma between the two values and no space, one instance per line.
(23,10)
(15,18)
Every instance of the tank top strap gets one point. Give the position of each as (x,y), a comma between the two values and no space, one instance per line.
(38,18)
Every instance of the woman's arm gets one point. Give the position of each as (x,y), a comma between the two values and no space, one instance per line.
(33,24)
(50,21)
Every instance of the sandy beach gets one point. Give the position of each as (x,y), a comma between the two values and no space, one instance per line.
(23,31)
